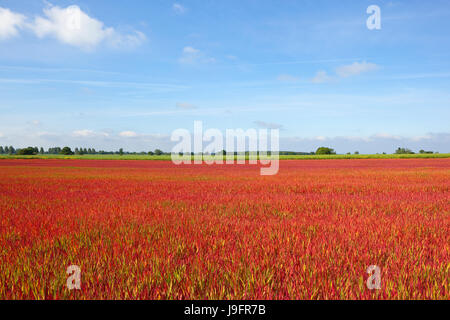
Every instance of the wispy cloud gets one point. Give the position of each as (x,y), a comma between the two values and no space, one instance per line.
(268,125)
(421,75)
(56,70)
(178,8)
(192,56)
(109,84)
(231,57)
(35,123)
(355,68)
(318,61)
(345,71)
(321,77)
(287,78)
(185,105)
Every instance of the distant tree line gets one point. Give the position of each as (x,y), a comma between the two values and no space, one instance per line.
(68,151)
(7,150)
(408,151)
(90,151)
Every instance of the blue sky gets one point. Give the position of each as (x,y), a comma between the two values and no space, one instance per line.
(134,71)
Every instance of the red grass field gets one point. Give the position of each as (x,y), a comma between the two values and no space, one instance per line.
(152,230)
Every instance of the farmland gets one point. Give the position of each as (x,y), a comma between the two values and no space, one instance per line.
(205,157)
(153,230)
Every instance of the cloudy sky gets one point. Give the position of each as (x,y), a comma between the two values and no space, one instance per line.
(110,74)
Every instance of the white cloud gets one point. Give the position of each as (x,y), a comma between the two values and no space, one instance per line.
(1,135)
(287,78)
(128,134)
(131,40)
(231,57)
(178,8)
(386,136)
(345,71)
(190,50)
(82,133)
(422,138)
(185,105)
(74,27)
(10,22)
(191,55)
(268,125)
(355,69)
(88,134)
(321,77)
(35,123)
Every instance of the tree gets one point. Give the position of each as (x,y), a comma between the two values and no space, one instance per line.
(403,151)
(158,152)
(121,151)
(2,151)
(55,150)
(150,153)
(26,151)
(41,151)
(325,150)
(12,150)
(356,152)
(66,151)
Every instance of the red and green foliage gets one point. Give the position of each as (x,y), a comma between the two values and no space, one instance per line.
(152,230)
